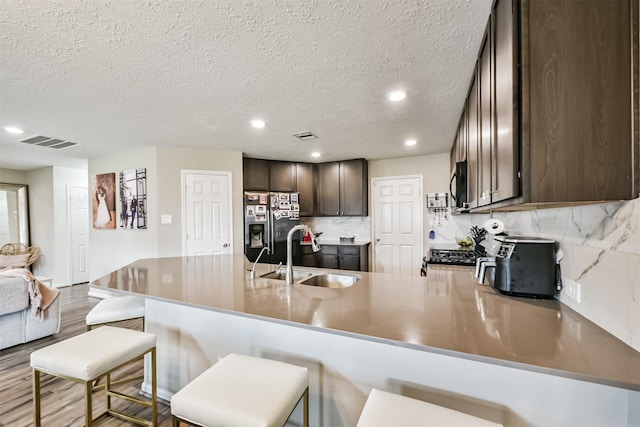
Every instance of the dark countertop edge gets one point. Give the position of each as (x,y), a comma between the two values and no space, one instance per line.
(336,242)
(428,349)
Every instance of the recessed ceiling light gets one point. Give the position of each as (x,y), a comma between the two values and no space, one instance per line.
(315,154)
(397,95)
(257,123)
(11,129)
(410,142)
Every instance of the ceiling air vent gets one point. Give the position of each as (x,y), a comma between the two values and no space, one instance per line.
(45,141)
(305,136)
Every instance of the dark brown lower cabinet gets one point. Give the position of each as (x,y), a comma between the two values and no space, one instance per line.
(343,257)
(308,256)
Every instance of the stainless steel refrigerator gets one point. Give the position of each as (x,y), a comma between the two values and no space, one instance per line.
(268,217)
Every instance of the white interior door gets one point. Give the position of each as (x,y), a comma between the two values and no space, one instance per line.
(207,220)
(397,224)
(79,234)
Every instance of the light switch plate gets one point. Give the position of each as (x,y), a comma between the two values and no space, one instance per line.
(166,219)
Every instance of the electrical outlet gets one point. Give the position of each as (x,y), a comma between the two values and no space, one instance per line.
(573,290)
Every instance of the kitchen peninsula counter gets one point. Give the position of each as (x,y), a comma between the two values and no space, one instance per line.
(445,313)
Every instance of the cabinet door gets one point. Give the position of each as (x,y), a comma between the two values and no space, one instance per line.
(328,257)
(353,188)
(505,153)
(350,258)
(472,143)
(462,139)
(255,174)
(350,262)
(308,256)
(328,196)
(306,188)
(282,176)
(485,120)
(580,81)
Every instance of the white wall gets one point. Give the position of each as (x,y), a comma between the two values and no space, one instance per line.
(12,176)
(41,218)
(434,169)
(111,249)
(48,220)
(435,176)
(171,161)
(63,178)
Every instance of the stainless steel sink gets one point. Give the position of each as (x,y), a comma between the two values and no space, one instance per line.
(331,280)
(281,275)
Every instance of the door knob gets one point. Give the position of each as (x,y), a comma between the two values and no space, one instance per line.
(226,245)
(377,240)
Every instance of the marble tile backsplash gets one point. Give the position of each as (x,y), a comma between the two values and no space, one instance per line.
(601,246)
(334,227)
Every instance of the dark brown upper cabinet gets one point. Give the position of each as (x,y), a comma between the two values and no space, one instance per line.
(342,188)
(555,122)
(255,174)
(282,176)
(305,185)
(473,144)
(327,191)
(504,124)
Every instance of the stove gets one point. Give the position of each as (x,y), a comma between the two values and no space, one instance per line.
(450,257)
(453,256)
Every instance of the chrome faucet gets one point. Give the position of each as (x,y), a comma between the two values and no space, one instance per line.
(253,270)
(314,246)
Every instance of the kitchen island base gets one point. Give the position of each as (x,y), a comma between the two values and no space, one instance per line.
(344,367)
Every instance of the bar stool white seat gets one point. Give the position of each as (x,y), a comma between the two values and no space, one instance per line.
(116,309)
(92,355)
(243,391)
(384,409)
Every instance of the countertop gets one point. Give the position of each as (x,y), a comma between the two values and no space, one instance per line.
(445,313)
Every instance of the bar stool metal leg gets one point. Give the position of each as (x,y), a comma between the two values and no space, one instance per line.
(306,408)
(36,397)
(88,402)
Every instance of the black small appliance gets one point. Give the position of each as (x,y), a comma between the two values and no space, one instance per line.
(522,266)
(461,195)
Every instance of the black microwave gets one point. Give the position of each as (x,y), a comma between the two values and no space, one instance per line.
(461,194)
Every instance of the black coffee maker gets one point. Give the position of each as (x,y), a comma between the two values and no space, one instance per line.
(522,266)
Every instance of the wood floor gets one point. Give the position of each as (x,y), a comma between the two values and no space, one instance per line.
(62,400)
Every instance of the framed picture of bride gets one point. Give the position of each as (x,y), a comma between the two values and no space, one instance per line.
(104,201)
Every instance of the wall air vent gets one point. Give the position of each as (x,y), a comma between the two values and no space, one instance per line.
(305,136)
(46,141)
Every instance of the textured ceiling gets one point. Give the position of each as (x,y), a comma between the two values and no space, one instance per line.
(117,75)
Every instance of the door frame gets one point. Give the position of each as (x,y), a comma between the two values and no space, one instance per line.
(183,174)
(379,179)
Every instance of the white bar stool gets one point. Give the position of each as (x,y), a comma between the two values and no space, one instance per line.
(116,309)
(384,409)
(243,391)
(91,355)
